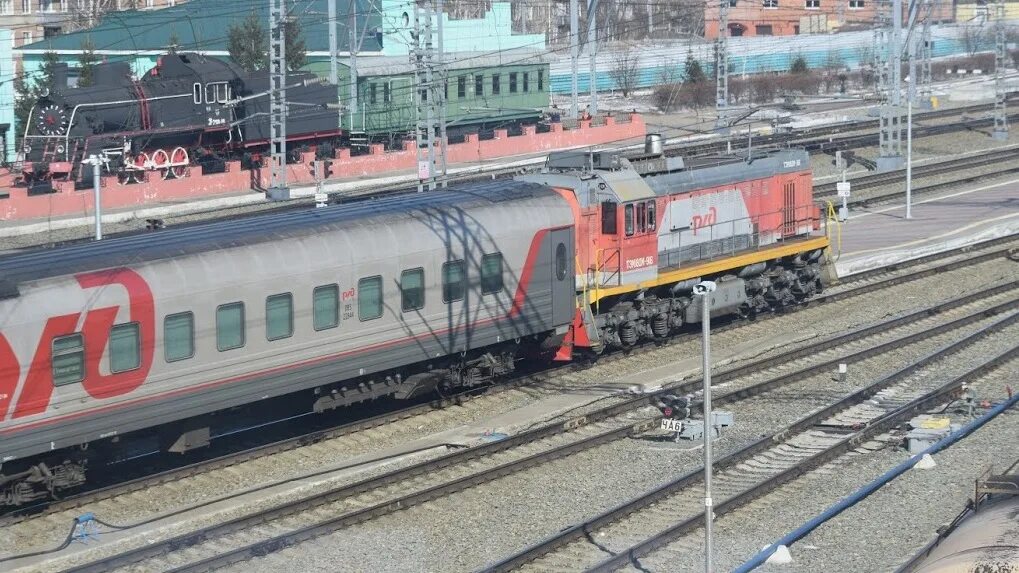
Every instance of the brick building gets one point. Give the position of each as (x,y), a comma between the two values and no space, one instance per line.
(791,17)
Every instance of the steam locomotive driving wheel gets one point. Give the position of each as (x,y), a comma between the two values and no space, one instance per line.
(52,120)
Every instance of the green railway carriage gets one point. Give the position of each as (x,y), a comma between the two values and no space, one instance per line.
(482,93)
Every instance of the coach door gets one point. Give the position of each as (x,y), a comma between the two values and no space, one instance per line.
(563,276)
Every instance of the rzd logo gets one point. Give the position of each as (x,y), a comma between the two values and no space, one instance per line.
(38,386)
(700,221)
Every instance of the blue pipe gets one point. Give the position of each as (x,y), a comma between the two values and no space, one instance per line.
(860,494)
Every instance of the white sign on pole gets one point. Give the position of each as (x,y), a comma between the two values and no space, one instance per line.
(842,187)
(670,425)
(321,199)
(424,169)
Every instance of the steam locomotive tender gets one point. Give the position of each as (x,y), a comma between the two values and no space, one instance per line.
(188,109)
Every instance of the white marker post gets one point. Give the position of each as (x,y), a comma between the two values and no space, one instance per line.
(909,158)
(704,290)
(97,194)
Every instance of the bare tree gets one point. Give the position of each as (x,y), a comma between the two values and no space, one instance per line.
(88,13)
(973,36)
(626,70)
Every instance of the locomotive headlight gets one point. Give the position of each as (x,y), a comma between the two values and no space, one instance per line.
(60,149)
(27,149)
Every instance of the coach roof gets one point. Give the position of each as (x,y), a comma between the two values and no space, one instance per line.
(186,240)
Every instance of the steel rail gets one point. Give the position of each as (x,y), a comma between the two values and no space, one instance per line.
(588,527)
(157,549)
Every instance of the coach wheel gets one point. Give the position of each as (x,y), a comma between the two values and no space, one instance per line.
(161,161)
(179,162)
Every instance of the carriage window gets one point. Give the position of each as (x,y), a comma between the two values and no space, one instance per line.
(326,307)
(453,281)
(541,80)
(230,326)
(641,217)
(513,82)
(198,93)
(560,261)
(652,221)
(125,351)
(628,219)
(373,90)
(479,85)
(279,316)
(491,273)
(527,77)
(68,359)
(496,87)
(412,290)
(608,218)
(445,89)
(461,87)
(386,97)
(369,298)
(178,336)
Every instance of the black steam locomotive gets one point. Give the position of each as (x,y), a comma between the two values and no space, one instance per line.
(188,109)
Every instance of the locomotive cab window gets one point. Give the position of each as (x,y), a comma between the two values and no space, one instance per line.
(178,336)
(326,307)
(218,92)
(369,298)
(491,273)
(279,316)
(68,359)
(453,281)
(197,95)
(652,221)
(412,290)
(628,219)
(125,351)
(609,225)
(230,326)
(641,217)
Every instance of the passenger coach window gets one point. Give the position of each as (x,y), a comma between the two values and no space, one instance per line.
(461,87)
(178,336)
(541,80)
(527,76)
(326,307)
(513,82)
(496,87)
(68,359)
(412,290)
(230,326)
(491,273)
(453,281)
(279,316)
(628,219)
(608,218)
(125,351)
(369,298)
(479,85)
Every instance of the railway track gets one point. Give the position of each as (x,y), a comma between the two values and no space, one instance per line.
(864,283)
(287,524)
(874,180)
(665,519)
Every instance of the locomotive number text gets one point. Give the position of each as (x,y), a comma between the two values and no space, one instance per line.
(640,262)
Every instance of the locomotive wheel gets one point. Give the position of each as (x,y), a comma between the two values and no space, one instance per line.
(179,160)
(136,174)
(161,161)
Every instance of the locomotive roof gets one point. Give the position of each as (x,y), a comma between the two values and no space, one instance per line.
(185,240)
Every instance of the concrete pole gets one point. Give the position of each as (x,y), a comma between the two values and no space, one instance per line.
(592,51)
(444,79)
(97,195)
(574,57)
(334,74)
(708,429)
(352,50)
(909,157)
